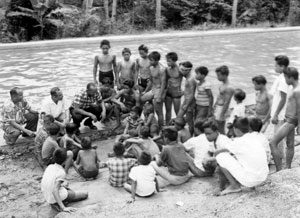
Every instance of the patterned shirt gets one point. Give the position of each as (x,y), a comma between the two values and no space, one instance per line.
(39,140)
(83,101)
(119,170)
(201,96)
(14,112)
(133,124)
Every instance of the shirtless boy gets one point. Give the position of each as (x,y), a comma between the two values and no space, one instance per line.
(158,81)
(292,115)
(174,79)
(188,105)
(263,100)
(223,100)
(125,68)
(142,67)
(106,62)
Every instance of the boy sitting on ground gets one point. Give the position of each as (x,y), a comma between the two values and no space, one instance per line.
(55,188)
(150,120)
(133,121)
(183,132)
(50,145)
(70,141)
(178,162)
(87,160)
(143,180)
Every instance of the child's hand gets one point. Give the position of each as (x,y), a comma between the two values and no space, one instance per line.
(69,209)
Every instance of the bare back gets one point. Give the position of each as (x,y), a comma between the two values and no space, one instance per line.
(291,109)
(88,159)
(262,104)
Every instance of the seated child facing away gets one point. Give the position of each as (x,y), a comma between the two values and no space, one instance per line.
(183,132)
(119,166)
(150,119)
(238,110)
(54,186)
(143,180)
(133,121)
(70,141)
(87,160)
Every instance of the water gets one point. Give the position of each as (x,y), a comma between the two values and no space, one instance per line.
(71,68)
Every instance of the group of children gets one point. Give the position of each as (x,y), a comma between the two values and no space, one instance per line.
(155,151)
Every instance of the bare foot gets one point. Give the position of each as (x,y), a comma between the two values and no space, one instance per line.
(231,189)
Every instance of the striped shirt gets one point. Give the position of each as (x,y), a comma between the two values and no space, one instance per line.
(201,96)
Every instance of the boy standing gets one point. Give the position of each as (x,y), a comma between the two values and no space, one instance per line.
(143,70)
(223,100)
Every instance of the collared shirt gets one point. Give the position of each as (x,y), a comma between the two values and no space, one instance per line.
(49,107)
(119,170)
(83,101)
(14,112)
(221,142)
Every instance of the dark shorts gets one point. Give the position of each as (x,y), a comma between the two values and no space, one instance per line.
(143,82)
(174,92)
(88,174)
(47,161)
(293,121)
(103,75)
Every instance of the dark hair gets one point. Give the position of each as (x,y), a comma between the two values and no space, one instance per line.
(187,64)
(282,60)
(202,70)
(199,125)
(242,124)
(129,83)
(144,48)
(49,117)
(119,149)
(145,131)
(154,56)
(172,56)
(145,158)
(107,81)
(53,129)
(170,133)
(255,124)
(180,121)
(137,110)
(60,156)
(71,128)
(104,42)
(90,85)
(53,91)
(15,91)
(291,72)
(223,70)
(149,106)
(259,80)
(239,95)
(154,128)
(86,143)
(210,124)
(126,50)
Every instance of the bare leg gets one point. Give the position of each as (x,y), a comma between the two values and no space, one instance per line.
(78,196)
(290,148)
(69,161)
(159,111)
(176,103)
(168,105)
(221,126)
(234,186)
(127,187)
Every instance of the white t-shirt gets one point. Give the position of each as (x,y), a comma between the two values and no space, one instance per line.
(201,147)
(49,107)
(264,142)
(222,142)
(238,111)
(144,175)
(278,86)
(53,173)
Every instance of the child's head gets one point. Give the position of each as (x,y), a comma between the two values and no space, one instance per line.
(53,129)
(259,82)
(119,149)
(255,124)
(48,119)
(56,94)
(179,123)
(201,72)
(71,128)
(86,143)
(172,58)
(210,128)
(145,158)
(281,63)
(222,73)
(148,108)
(291,75)
(239,95)
(240,126)
(135,113)
(60,156)
(126,53)
(128,84)
(198,127)
(143,51)
(105,46)
(170,134)
(154,58)
(186,67)
(145,132)
(154,130)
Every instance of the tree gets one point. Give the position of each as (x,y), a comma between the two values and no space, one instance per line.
(294,13)
(106,11)
(114,11)
(234,12)
(158,14)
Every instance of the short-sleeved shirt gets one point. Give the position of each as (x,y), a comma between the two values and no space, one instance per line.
(40,138)
(176,159)
(83,101)
(201,96)
(222,142)
(49,107)
(52,174)
(49,147)
(119,169)
(14,112)
(278,86)
(144,175)
(238,111)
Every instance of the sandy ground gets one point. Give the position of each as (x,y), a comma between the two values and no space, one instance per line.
(20,194)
